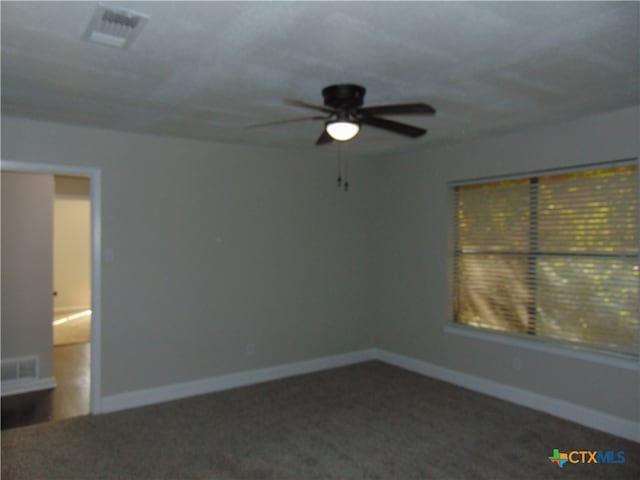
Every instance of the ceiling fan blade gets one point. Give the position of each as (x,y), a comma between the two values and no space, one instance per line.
(300,103)
(324,138)
(290,120)
(400,109)
(391,126)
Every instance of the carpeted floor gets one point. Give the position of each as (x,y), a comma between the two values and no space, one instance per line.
(367,421)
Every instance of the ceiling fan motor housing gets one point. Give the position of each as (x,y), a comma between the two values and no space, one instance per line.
(344,96)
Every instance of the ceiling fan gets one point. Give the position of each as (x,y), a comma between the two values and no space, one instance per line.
(344,114)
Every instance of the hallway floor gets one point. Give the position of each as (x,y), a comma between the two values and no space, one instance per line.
(71,365)
(71,327)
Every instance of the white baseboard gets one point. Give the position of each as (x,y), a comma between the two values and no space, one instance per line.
(71,309)
(167,393)
(15,387)
(595,419)
(570,411)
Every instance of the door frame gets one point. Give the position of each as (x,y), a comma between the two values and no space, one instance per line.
(94,175)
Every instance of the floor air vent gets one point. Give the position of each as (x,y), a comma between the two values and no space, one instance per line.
(22,368)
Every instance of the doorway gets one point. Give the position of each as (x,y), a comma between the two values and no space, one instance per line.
(71,260)
(71,314)
(79,354)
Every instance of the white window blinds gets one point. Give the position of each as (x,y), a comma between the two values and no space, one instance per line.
(555,256)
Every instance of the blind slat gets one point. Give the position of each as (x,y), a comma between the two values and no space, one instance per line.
(555,256)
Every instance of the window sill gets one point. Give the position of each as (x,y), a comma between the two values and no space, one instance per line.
(612,360)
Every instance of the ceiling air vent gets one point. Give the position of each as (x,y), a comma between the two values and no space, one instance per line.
(114,26)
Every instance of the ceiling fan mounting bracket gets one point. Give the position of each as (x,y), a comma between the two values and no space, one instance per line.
(343,96)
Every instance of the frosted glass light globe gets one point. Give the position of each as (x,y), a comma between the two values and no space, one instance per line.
(342,131)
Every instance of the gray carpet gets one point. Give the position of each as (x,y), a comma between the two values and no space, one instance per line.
(369,421)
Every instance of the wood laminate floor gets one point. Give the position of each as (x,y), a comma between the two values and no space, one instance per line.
(70,398)
(71,327)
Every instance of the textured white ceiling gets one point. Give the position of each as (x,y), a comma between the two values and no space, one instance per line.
(207,69)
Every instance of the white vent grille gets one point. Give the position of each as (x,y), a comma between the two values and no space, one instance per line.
(21,368)
(114,27)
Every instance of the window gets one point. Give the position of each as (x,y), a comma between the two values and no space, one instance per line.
(553,256)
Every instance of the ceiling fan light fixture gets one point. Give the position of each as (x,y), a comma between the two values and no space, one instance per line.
(342,130)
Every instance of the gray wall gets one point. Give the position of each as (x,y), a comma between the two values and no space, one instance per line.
(415,229)
(27,268)
(217,247)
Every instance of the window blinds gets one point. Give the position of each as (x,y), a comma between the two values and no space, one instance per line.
(554,256)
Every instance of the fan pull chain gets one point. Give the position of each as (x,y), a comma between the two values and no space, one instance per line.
(346,175)
(339,166)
